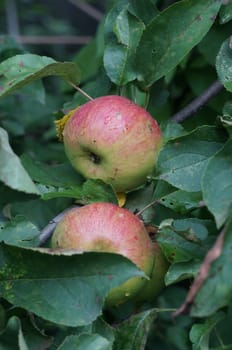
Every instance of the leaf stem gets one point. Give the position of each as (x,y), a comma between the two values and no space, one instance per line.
(80,90)
(199,102)
(146,207)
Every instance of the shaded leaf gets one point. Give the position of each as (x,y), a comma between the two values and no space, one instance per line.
(182,161)
(65,288)
(217,184)
(132,333)
(84,342)
(200,332)
(60,175)
(163,46)
(12,172)
(19,70)
(226,12)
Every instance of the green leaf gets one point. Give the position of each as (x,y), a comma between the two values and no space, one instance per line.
(22,335)
(59,175)
(181,240)
(224,65)
(172,35)
(145,12)
(20,232)
(217,184)
(84,342)
(182,161)
(17,71)
(65,288)
(200,332)
(181,271)
(13,337)
(216,290)
(12,172)
(182,201)
(132,334)
(122,35)
(92,191)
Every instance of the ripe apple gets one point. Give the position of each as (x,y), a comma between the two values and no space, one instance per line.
(105,227)
(113,139)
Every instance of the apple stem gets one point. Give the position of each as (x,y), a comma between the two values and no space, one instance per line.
(146,207)
(81,91)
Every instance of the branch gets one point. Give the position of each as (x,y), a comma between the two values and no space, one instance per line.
(212,255)
(199,102)
(88,9)
(12,17)
(47,231)
(50,39)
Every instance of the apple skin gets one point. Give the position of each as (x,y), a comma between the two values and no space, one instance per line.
(105,227)
(113,139)
(155,285)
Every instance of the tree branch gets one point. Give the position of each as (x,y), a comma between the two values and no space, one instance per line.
(47,231)
(199,102)
(203,274)
(88,9)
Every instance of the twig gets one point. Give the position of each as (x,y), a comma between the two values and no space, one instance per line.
(47,231)
(12,17)
(49,39)
(199,102)
(147,207)
(80,90)
(212,255)
(88,9)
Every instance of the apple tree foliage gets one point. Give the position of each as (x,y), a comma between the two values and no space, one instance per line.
(163,55)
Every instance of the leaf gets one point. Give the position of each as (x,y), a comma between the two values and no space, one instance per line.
(181,240)
(122,35)
(217,184)
(145,13)
(13,337)
(218,283)
(92,191)
(172,35)
(65,288)
(20,232)
(132,333)
(22,335)
(182,161)
(181,271)
(59,175)
(182,201)
(226,12)
(12,172)
(200,332)
(84,342)
(223,64)
(17,71)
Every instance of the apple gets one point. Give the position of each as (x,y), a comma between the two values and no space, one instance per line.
(113,139)
(155,284)
(106,227)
